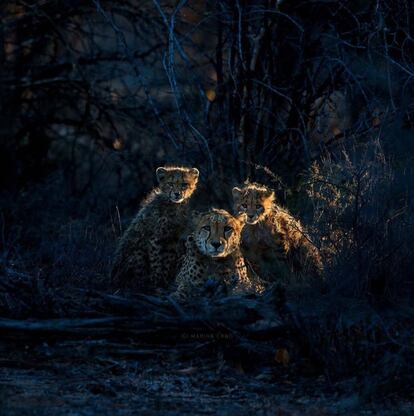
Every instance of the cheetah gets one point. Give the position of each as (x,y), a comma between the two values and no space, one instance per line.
(272,233)
(212,252)
(148,253)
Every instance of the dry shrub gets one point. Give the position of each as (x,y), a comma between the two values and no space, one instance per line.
(362,324)
(57,237)
(363,222)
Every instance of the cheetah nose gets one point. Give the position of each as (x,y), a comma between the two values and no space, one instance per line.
(251,217)
(216,244)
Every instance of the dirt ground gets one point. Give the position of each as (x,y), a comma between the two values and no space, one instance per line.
(78,378)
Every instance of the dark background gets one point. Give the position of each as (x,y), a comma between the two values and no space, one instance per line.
(313,98)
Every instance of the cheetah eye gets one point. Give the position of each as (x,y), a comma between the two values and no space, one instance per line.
(184,185)
(227,229)
(258,206)
(244,206)
(206,228)
(170,184)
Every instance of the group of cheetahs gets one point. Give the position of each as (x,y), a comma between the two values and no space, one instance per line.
(169,246)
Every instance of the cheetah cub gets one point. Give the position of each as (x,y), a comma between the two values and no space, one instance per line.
(272,233)
(213,251)
(148,252)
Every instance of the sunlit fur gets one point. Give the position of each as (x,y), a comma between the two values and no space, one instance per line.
(272,229)
(213,251)
(147,254)
(177,183)
(254,200)
(218,233)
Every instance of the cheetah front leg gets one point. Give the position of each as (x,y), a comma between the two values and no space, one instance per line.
(190,278)
(158,262)
(244,283)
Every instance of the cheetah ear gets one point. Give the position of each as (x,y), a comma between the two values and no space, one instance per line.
(161,173)
(236,193)
(269,194)
(195,172)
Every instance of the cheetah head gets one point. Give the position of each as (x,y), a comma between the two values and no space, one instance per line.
(217,233)
(176,183)
(254,200)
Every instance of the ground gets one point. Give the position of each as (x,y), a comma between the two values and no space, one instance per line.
(100,353)
(43,379)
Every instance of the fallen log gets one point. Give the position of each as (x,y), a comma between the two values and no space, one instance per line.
(130,325)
